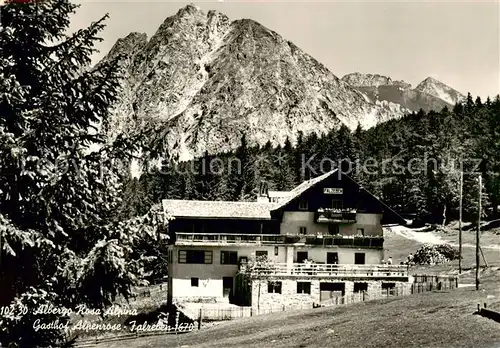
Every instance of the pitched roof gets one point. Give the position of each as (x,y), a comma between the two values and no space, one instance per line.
(247,210)
(218,209)
(304,186)
(273,194)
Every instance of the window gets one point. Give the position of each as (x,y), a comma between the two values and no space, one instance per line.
(195,256)
(388,286)
(333,229)
(274,287)
(302,230)
(360,232)
(337,204)
(276,250)
(261,253)
(195,281)
(303,287)
(359,258)
(301,256)
(228,258)
(332,258)
(360,287)
(303,204)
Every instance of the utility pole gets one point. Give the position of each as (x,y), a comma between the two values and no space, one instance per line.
(460,223)
(478,231)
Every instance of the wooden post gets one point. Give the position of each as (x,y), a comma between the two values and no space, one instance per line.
(478,231)
(200,318)
(460,222)
(484,259)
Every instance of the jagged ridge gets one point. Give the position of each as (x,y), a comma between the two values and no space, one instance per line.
(430,94)
(204,81)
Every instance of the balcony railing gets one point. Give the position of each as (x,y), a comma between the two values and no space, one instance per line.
(192,238)
(318,240)
(330,215)
(328,270)
(346,241)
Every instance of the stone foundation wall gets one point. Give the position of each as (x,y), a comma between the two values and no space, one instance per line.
(290,298)
(198,299)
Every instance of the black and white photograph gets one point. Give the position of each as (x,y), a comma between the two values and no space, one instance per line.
(249,173)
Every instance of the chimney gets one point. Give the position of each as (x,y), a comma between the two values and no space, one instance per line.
(263,196)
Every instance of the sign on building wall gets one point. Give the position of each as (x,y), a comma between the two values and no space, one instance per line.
(333,190)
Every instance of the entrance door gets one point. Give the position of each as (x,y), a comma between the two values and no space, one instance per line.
(227,287)
(301,256)
(332,258)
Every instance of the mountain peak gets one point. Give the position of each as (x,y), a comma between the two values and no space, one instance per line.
(440,90)
(204,81)
(430,79)
(188,10)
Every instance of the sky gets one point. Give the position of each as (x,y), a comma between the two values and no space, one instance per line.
(456,42)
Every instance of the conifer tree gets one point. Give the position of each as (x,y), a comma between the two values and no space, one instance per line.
(61,245)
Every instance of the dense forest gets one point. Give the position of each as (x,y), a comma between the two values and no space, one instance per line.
(412,163)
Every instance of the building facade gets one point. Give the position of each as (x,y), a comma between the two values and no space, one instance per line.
(324,238)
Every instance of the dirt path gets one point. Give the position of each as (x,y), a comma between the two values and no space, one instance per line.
(430,237)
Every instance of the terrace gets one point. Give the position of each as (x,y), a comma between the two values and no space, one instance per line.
(216,239)
(328,270)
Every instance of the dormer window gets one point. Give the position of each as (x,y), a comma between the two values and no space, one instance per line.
(303,204)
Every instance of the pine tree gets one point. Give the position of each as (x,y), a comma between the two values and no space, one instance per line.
(58,194)
(242,173)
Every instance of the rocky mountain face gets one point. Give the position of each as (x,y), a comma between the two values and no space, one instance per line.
(372,80)
(440,90)
(203,80)
(430,94)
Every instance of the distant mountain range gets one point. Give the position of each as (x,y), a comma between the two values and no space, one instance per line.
(430,94)
(203,81)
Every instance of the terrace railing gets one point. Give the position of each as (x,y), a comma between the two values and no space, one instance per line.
(273,239)
(192,238)
(327,270)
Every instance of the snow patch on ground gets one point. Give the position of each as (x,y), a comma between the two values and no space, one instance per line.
(421,237)
(429,237)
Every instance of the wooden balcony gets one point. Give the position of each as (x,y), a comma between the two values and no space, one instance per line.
(346,241)
(329,215)
(218,238)
(278,239)
(327,270)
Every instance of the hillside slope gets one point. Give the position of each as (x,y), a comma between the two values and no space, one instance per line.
(440,319)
